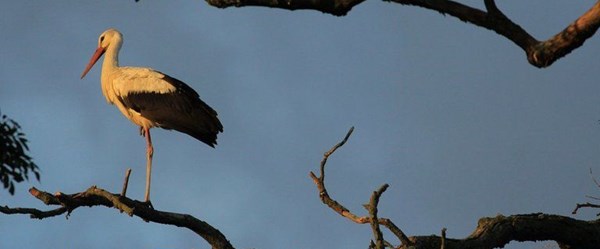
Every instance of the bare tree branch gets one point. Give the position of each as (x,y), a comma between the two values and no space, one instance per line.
(334,7)
(498,231)
(34,213)
(98,197)
(126,182)
(594,178)
(343,211)
(490,233)
(539,53)
(584,205)
(592,197)
(587,204)
(372,209)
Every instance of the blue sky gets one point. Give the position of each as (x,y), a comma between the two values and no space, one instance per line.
(450,115)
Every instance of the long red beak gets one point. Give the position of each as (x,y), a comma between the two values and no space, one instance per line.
(99,52)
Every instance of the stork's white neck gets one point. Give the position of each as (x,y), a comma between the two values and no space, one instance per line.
(109,66)
(111,57)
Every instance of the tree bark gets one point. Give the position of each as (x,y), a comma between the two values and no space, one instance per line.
(539,53)
(98,197)
(498,231)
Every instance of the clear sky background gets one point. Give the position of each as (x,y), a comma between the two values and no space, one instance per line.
(450,115)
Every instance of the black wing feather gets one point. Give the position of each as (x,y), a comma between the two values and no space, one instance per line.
(181,110)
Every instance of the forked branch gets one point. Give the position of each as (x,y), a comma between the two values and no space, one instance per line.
(539,53)
(371,207)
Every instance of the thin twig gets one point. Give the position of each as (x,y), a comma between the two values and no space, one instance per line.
(592,197)
(331,151)
(587,204)
(126,182)
(594,178)
(33,213)
(388,244)
(395,230)
(372,208)
(443,242)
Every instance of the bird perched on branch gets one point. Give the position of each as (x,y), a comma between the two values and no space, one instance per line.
(150,98)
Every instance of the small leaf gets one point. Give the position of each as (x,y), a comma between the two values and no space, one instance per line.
(11,189)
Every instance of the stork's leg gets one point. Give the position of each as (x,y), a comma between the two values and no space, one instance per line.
(149,152)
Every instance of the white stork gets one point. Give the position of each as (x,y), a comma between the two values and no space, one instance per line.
(150,98)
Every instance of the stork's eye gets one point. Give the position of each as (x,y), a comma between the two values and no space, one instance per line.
(101,38)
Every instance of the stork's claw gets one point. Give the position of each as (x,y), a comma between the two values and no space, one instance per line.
(148,204)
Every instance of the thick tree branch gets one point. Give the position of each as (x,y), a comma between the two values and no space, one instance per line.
(573,36)
(539,53)
(498,231)
(334,7)
(494,19)
(98,197)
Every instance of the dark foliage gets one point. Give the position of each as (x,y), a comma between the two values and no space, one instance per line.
(15,164)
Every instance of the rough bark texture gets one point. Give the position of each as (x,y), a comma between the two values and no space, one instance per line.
(539,53)
(500,230)
(98,197)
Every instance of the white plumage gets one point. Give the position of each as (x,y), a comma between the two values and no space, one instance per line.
(150,98)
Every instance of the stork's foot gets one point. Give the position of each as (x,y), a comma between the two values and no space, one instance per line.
(147,203)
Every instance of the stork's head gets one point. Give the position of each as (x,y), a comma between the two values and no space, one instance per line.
(111,38)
